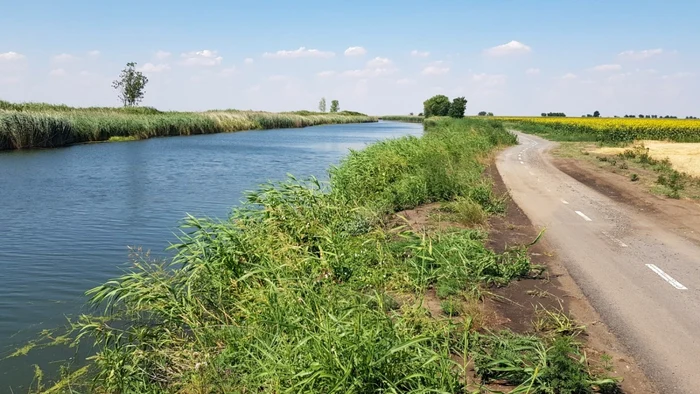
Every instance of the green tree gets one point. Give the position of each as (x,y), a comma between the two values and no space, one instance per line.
(335,106)
(489,114)
(131,85)
(596,114)
(322,104)
(438,105)
(457,108)
(482,113)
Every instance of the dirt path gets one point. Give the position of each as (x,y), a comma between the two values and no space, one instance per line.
(643,278)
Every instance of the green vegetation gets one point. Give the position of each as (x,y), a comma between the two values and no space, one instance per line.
(131,85)
(403,118)
(322,105)
(38,125)
(439,105)
(306,289)
(335,106)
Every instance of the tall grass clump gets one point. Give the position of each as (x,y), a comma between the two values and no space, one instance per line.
(303,289)
(38,125)
(404,118)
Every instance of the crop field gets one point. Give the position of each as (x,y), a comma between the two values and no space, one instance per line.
(609,130)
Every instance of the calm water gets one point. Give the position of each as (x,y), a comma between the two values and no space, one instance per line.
(67,216)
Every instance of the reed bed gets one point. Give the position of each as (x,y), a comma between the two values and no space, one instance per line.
(36,125)
(304,288)
(403,118)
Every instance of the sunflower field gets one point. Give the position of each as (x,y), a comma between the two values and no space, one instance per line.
(608,130)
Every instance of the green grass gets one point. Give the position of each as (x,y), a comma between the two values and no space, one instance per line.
(303,289)
(37,125)
(403,118)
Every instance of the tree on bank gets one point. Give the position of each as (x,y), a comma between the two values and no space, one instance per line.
(322,104)
(596,114)
(438,105)
(131,85)
(457,108)
(335,106)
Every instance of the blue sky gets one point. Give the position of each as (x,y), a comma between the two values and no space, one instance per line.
(380,57)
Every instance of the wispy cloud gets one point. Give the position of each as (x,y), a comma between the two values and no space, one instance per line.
(532,71)
(153,68)
(511,48)
(58,72)
(201,58)
(227,72)
(489,80)
(11,56)
(162,55)
(436,68)
(417,53)
(326,74)
(355,51)
(405,81)
(607,67)
(377,67)
(641,55)
(63,58)
(569,76)
(248,60)
(679,75)
(298,53)
(94,53)
(379,62)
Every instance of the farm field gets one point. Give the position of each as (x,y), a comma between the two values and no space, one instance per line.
(608,130)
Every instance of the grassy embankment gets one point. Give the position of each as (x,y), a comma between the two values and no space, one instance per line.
(403,118)
(36,125)
(670,168)
(307,288)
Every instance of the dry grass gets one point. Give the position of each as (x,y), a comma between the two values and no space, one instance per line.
(684,157)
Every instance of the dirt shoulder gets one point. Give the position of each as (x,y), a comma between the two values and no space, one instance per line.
(681,216)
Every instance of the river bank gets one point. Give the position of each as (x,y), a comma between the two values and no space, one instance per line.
(323,289)
(36,125)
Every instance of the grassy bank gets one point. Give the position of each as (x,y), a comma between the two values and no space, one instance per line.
(307,288)
(36,125)
(403,118)
(608,130)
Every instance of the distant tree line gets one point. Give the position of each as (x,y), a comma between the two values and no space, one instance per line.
(440,105)
(641,116)
(554,114)
(484,113)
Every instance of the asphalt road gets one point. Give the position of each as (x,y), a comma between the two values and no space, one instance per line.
(643,280)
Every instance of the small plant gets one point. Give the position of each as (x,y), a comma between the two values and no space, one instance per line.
(556,322)
(450,308)
(624,166)
(634,177)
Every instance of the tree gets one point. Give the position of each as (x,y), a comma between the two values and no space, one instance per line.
(438,105)
(596,114)
(335,107)
(489,114)
(544,114)
(322,104)
(482,113)
(131,85)
(410,113)
(457,108)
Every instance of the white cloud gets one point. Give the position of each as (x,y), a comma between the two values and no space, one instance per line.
(532,71)
(297,53)
(248,60)
(369,72)
(641,55)
(254,88)
(63,58)
(11,56)
(569,76)
(153,68)
(678,75)
(405,81)
(489,80)
(201,58)
(417,53)
(94,53)
(325,74)
(436,68)
(607,67)
(511,48)
(355,51)
(9,80)
(58,72)
(227,72)
(379,62)
(277,78)
(162,55)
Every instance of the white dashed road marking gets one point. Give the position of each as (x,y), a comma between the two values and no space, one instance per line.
(617,241)
(586,218)
(565,202)
(667,277)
